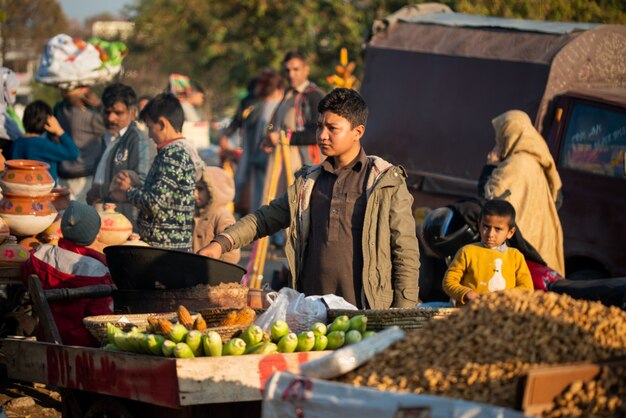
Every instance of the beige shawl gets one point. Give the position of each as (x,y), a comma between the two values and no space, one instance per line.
(528,171)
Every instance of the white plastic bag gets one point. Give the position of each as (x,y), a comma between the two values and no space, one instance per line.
(298,311)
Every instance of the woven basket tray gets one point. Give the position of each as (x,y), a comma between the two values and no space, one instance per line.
(227,333)
(214,316)
(97,325)
(378,319)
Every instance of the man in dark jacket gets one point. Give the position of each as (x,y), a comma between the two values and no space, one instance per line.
(297,114)
(125,147)
(79,116)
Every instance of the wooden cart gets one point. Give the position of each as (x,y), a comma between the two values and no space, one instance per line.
(118,384)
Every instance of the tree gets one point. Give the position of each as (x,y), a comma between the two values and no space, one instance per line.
(28,24)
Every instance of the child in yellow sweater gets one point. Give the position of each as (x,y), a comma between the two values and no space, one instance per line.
(489,265)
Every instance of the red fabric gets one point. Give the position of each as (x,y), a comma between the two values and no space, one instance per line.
(542,275)
(169,141)
(69,315)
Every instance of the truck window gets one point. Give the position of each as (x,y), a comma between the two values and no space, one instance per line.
(595,141)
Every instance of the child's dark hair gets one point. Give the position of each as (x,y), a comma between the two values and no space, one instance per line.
(166,105)
(498,207)
(346,103)
(118,92)
(36,116)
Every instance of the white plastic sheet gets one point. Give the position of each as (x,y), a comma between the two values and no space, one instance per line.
(291,396)
(293,307)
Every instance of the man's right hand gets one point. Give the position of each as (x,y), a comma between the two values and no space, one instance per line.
(471,296)
(213,250)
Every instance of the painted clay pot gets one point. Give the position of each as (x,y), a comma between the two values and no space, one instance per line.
(27,215)
(115,228)
(12,253)
(27,178)
(4,231)
(135,239)
(53,229)
(30,243)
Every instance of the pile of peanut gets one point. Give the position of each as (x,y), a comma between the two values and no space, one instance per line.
(482,353)
(604,396)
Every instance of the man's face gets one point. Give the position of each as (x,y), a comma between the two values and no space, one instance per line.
(118,116)
(296,71)
(494,230)
(335,136)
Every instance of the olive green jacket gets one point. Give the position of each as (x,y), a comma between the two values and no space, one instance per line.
(390,250)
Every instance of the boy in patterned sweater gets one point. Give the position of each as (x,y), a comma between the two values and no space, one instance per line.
(166,199)
(489,265)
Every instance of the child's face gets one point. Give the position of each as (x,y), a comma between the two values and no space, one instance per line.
(335,135)
(494,230)
(201,195)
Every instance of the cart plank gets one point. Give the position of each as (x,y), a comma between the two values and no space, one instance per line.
(126,375)
(233,378)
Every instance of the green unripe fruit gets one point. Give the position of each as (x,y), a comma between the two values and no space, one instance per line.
(306,341)
(353,336)
(168,348)
(212,344)
(358,323)
(288,343)
(182,350)
(321,342)
(234,347)
(279,330)
(341,323)
(319,329)
(336,339)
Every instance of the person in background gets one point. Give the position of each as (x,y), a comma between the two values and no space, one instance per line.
(524,172)
(166,199)
(490,265)
(214,191)
(142,101)
(36,145)
(250,174)
(79,116)
(9,126)
(352,227)
(126,148)
(71,265)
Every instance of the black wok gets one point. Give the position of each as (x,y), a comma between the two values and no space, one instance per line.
(134,267)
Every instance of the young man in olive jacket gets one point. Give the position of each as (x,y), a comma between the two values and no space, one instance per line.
(352,231)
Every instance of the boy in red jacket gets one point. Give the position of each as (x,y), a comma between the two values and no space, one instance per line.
(69,265)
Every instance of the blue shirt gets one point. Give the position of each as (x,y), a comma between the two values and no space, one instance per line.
(40,148)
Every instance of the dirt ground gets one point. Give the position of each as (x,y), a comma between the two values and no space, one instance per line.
(22,400)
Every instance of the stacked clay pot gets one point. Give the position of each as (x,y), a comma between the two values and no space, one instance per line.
(115,228)
(135,240)
(12,253)
(26,205)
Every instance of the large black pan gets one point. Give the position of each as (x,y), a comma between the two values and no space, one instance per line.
(134,267)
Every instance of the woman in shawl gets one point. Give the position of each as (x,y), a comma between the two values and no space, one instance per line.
(9,128)
(525,168)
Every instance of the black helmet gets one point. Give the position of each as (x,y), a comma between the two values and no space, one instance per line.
(445,232)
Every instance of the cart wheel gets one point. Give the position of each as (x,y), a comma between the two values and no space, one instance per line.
(108,408)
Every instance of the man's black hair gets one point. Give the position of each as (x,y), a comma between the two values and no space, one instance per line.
(499,207)
(166,105)
(295,54)
(346,103)
(36,116)
(118,92)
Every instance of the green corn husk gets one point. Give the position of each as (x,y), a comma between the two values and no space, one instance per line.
(212,344)
(168,348)
(182,350)
(279,330)
(235,347)
(306,341)
(358,323)
(321,342)
(353,336)
(336,339)
(288,343)
(341,323)
(319,328)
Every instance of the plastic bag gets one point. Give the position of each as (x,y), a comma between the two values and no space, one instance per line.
(71,62)
(289,305)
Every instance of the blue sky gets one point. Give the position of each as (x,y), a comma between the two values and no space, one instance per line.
(81,9)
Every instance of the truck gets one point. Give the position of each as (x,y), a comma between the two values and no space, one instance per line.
(434,80)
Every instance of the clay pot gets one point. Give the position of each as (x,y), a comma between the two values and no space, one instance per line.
(27,215)
(53,230)
(134,239)
(116,228)
(12,253)
(27,178)
(4,231)
(30,243)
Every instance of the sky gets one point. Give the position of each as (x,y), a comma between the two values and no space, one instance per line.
(81,9)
